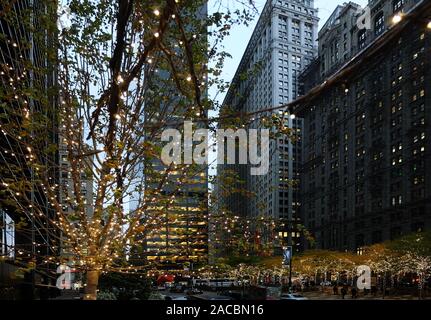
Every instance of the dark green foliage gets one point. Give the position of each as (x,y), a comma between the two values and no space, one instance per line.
(418,243)
(126,286)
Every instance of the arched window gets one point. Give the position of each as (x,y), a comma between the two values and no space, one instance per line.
(379,24)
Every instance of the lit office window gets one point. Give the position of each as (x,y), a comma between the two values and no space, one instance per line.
(7,230)
(398,5)
(379,24)
(362,38)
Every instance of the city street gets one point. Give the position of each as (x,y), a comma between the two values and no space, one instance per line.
(244,150)
(316,295)
(311,295)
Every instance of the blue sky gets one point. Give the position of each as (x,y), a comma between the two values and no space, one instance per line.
(237,42)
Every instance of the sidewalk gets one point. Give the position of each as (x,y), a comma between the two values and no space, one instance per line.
(318,295)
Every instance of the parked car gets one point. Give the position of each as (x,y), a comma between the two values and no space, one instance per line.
(157,296)
(209,297)
(194,291)
(292,296)
(177,289)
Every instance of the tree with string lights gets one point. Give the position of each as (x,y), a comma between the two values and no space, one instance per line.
(414,256)
(120,72)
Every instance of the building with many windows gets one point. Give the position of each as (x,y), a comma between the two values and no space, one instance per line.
(366,147)
(26,240)
(180,239)
(283,43)
(177,218)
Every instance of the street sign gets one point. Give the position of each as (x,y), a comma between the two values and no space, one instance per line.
(287,262)
(287,256)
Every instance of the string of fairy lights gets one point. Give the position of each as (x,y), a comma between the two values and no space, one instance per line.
(74,235)
(98,241)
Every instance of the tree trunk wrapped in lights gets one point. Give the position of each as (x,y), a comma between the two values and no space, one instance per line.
(91,285)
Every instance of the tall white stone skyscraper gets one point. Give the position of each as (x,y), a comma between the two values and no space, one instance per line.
(283,43)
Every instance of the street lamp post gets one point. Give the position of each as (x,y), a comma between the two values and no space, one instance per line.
(290,271)
(287,261)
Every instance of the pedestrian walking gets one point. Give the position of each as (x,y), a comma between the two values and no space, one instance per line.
(354,293)
(335,289)
(343,292)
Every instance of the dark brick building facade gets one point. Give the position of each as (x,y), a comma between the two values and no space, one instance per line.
(366,168)
(25,239)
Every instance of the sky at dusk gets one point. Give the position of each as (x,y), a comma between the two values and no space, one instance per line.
(237,42)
